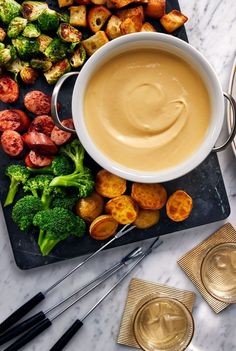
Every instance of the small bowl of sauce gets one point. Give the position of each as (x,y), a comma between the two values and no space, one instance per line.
(162,323)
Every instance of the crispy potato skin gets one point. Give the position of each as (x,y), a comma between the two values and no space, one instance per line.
(149,196)
(90,207)
(103,227)
(179,206)
(147,218)
(156,8)
(173,20)
(109,185)
(123,209)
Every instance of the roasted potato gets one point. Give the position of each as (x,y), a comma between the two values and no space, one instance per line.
(123,209)
(103,227)
(63,3)
(127,13)
(173,20)
(179,206)
(90,207)
(147,27)
(94,42)
(149,196)
(78,16)
(113,27)
(131,25)
(121,3)
(109,185)
(156,8)
(147,218)
(97,17)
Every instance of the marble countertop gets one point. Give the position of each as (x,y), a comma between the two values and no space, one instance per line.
(211,29)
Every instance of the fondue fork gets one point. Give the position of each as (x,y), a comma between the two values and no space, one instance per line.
(38,317)
(35,300)
(46,323)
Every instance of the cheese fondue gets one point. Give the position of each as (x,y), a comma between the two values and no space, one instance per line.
(147,109)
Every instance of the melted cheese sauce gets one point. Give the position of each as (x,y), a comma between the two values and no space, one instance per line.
(147,109)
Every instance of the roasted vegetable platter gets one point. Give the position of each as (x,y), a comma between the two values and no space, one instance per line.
(205,185)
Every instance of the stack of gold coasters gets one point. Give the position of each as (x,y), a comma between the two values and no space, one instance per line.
(140,291)
(211,266)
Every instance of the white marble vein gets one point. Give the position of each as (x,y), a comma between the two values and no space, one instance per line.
(212,30)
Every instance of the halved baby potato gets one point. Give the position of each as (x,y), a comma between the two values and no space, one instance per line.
(147,218)
(149,196)
(90,207)
(109,185)
(179,206)
(103,227)
(123,209)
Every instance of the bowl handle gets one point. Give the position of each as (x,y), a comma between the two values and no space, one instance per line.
(55,93)
(233,130)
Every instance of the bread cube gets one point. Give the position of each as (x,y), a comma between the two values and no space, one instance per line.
(156,8)
(173,20)
(97,17)
(94,42)
(113,27)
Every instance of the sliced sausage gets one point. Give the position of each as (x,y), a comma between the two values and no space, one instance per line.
(42,124)
(9,90)
(9,120)
(58,136)
(35,160)
(12,143)
(24,120)
(40,142)
(37,102)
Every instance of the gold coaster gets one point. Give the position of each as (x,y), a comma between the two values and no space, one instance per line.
(192,261)
(138,290)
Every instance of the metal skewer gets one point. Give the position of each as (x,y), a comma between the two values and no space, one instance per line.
(46,323)
(35,300)
(40,316)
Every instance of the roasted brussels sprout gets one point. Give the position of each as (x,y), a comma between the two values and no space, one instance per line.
(9,9)
(44,41)
(41,64)
(31,31)
(5,56)
(68,33)
(29,75)
(2,46)
(15,67)
(57,70)
(16,26)
(33,9)
(64,17)
(13,52)
(2,34)
(26,47)
(56,50)
(48,21)
(78,58)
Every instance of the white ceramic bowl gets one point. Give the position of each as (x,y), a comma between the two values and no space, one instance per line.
(138,41)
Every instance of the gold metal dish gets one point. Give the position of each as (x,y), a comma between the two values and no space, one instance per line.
(218,272)
(163,323)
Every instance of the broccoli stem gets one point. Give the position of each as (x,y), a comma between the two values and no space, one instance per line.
(67,180)
(41,237)
(47,245)
(11,192)
(46,201)
(43,170)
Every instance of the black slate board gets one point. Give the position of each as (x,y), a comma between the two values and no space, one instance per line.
(205,185)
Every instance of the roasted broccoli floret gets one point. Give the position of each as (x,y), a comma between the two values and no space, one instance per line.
(16,26)
(2,34)
(18,175)
(24,211)
(67,202)
(31,31)
(81,178)
(57,70)
(39,187)
(48,21)
(31,10)
(44,41)
(9,9)
(60,166)
(41,64)
(56,50)
(78,58)
(69,33)
(29,75)
(26,47)
(55,225)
